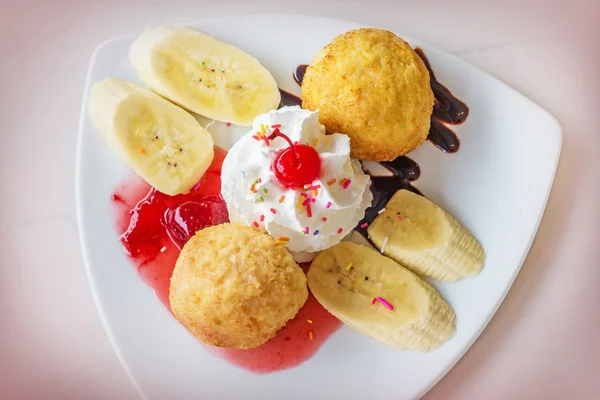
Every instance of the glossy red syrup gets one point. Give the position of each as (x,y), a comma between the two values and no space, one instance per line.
(153,228)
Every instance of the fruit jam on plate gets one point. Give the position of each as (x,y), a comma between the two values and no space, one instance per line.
(153,227)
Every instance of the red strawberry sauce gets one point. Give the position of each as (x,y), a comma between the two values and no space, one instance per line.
(153,227)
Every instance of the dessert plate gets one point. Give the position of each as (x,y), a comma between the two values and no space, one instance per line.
(497,185)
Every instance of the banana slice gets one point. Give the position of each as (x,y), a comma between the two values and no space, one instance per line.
(204,75)
(161,142)
(426,239)
(347,277)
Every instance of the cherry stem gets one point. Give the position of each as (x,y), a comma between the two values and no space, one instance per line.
(277,133)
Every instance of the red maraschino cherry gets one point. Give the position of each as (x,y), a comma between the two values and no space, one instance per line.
(297,165)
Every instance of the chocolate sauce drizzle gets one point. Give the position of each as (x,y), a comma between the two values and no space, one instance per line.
(447,109)
(299,73)
(404,171)
(288,99)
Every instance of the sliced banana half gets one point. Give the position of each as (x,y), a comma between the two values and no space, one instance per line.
(204,75)
(379,298)
(161,142)
(423,237)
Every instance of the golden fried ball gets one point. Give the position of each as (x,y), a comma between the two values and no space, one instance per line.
(234,287)
(372,86)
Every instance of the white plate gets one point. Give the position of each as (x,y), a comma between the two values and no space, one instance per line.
(497,185)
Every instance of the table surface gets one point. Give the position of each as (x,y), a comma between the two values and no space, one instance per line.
(542,343)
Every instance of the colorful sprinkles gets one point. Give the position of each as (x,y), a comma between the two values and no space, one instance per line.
(383,245)
(347,183)
(328,204)
(281,199)
(262,218)
(282,240)
(316,232)
(340,231)
(373,301)
(255,224)
(331,182)
(385,303)
(350,264)
(381,211)
(311,335)
(309,321)
(274,211)
(364,225)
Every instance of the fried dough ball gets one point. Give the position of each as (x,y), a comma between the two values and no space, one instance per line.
(234,287)
(372,86)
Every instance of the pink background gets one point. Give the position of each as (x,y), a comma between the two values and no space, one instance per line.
(542,343)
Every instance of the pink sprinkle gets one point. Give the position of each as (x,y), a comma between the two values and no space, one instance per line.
(197,185)
(255,224)
(259,180)
(306,230)
(313,187)
(255,137)
(262,218)
(385,303)
(273,211)
(347,183)
(399,217)
(308,211)
(313,200)
(339,231)
(228,123)
(303,195)
(324,219)
(328,204)
(364,225)
(305,202)
(373,301)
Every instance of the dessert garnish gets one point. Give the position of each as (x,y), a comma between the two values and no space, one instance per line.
(288,177)
(297,165)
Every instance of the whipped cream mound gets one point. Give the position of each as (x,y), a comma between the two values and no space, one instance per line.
(254,195)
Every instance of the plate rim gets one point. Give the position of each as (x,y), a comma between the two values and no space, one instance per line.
(558,131)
